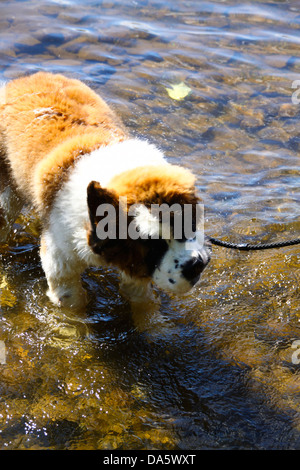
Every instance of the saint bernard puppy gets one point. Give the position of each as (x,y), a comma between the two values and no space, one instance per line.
(63,150)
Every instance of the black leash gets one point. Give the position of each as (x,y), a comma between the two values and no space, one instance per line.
(249,246)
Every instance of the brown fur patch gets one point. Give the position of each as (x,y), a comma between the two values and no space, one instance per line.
(129,256)
(48,121)
(148,185)
(96,195)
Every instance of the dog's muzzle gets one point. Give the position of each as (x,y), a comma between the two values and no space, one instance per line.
(193,268)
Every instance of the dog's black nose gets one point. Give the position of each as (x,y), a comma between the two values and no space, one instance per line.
(192,269)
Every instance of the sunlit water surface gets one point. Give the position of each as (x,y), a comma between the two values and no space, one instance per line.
(216,369)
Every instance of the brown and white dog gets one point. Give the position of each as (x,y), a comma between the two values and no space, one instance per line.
(63,150)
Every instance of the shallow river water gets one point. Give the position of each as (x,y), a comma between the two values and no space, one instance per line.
(215,84)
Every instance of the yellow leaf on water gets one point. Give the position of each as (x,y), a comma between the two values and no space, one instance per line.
(179,91)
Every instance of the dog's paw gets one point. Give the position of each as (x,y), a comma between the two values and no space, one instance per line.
(68,298)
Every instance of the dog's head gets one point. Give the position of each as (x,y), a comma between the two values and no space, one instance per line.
(149,223)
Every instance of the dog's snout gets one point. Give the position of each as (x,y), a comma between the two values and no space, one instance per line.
(193,268)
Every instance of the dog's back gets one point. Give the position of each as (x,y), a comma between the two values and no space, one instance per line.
(47,122)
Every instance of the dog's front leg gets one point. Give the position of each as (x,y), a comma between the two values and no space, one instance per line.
(67,292)
(63,275)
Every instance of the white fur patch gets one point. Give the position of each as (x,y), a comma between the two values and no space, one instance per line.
(149,225)
(106,162)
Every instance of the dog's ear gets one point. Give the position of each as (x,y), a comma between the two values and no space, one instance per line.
(96,197)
